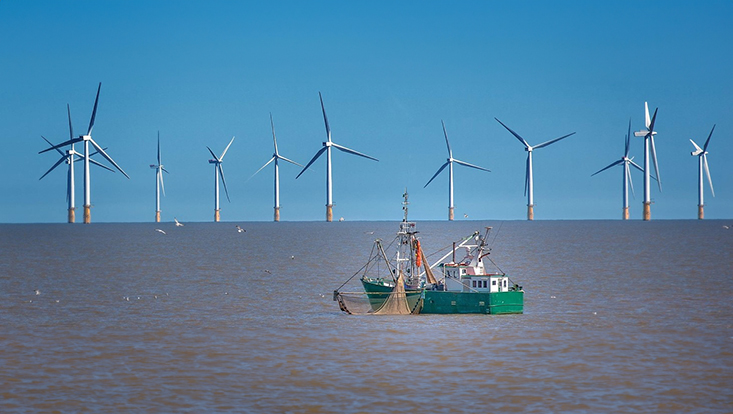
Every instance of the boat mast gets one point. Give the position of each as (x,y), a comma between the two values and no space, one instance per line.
(405,258)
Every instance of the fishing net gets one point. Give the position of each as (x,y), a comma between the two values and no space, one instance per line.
(395,302)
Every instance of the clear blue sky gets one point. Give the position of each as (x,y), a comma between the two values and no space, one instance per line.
(202,72)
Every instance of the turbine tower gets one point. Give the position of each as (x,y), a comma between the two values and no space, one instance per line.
(528,178)
(625,161)
(70,158)
(702,160)
(87,139)
(648,135)
(449,164)
(276,157)
(327,149)
(158,182)
(217,172)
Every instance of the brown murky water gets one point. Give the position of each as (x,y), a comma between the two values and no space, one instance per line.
(619,317)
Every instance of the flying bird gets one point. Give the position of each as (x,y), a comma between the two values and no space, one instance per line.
(160,231)
(178,224)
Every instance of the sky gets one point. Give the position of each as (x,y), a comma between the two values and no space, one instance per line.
(201,72)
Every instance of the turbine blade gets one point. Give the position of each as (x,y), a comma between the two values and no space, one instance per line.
(697,148)
(654,119)
(325,119)
(654,157)
(526,176)
(631,183)
(638,167)
(160,177)
(705,147)
(627,147)
(262,168)
(71,129)
(707,172)
(514,133)
(95,162)
(471,165)
(159,148)
(63,144)
(49,143)
(613,164)
(274,140)
(94,112)
(288,160)
(62,159)
(99,164)
(351,151)
(166,171)
(104,154)
(315,157)
(226,149)
(212,153)
(442,167)
(223,181)
(450,152)
(646,113)
(544,144)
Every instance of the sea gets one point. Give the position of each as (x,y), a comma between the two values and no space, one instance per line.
(619,317)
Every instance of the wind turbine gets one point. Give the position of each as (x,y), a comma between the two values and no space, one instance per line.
(158,182)
(327,149)
(217,172)
(70,158)
(702,158)
(276,157)
(648,135)
(625,161)
(87,139)
(449,164)
(528,178)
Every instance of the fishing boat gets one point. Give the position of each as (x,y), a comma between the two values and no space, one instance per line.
(398,279)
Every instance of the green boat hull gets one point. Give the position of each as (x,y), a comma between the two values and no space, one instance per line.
(497,303)
(447,302)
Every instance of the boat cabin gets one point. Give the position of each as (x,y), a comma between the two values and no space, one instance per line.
(465,278)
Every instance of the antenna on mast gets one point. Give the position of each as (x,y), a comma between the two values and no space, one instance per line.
(404,205)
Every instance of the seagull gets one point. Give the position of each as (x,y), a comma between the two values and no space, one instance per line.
(178,224)
(38,292)
(268,272)
(292,257)
(160,231)
(465,216)
(239,229)
(368,232)
(726,227)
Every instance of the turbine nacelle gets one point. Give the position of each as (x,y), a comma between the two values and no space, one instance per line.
(644,133)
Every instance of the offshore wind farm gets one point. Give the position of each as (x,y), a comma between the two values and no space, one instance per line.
(234,312)
(386,87)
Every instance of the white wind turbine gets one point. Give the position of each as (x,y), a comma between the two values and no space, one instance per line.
(70,158)
(528,179)
(327,149)
(158,182)
(625,161)
(217,172)
(648,135)
(702,157)
(449,164)
(276,157)
(87,139)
